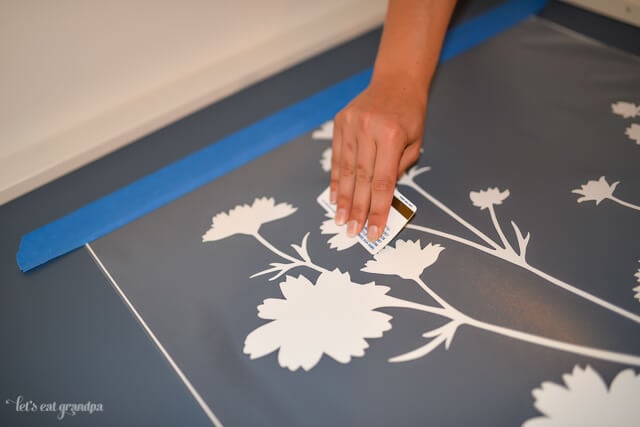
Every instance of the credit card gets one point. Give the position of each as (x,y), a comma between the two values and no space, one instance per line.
(402,210)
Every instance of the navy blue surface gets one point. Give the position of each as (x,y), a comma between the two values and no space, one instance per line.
(175,180)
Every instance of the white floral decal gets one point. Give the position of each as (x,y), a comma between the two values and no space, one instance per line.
(407,259)
(485,199)
(627,110)
(633,132)
(340,240)
(325,162)
(596,191)
(325,131)
(332,317)
(246,219)
(585,400)
(599,190)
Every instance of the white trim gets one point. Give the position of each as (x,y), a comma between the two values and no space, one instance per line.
(623,10)
(35,163)
(207,410)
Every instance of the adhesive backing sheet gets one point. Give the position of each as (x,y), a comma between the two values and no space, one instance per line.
(512,298)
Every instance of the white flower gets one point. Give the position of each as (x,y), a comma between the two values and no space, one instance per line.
(633,132)
(325,131)
(486,198)
(340,241)
(626,109)
(245,219)
(586,400)
(407,260)
(332,317)
(595,190)
(326,160)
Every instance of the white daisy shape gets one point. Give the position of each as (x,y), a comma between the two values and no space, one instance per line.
(625,109)
(332,317)
(585,400)
(595,191)
(340,241)
(246,219)
(633,132)
(486,198)
(407,259)
(325,131)
(325,162)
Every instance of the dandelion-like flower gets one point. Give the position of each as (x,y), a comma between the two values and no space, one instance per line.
(325,162)
(585,400)
(246,219)
(340,241)
(595,190)
(332,317)
(625,109)
(325,131)
(408,259)
(633,132)
(486,198)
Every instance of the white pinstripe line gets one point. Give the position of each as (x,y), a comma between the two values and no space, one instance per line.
(214,420)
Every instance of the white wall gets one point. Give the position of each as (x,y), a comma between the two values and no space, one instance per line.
(79,79)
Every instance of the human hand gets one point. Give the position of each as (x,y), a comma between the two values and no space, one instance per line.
(375,139)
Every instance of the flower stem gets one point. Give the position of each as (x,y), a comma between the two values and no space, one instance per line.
(286,256)
(558,345)
(394,302)
(496,224)
(452,237)
(624,203)
(512,258)
(444,304)
(579,292)
(453,215)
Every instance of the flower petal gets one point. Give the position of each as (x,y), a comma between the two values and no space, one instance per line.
(263,340)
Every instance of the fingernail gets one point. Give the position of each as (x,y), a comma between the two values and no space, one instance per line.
(372,233)
(333,197)
(341,217)
(352,228)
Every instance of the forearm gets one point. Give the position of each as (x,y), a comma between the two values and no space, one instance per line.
(411,41)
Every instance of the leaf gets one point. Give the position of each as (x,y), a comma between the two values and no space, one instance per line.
(522,241)
(419,352)
(302,248)
(448,331)
(276,266)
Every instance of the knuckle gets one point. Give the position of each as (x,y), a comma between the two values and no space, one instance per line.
(348,115)
(394,134)
(383,184)
(344,200)
(346,170)
(348,148)
(358,213)
(363,175)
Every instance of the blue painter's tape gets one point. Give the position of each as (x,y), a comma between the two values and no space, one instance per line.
(177,179)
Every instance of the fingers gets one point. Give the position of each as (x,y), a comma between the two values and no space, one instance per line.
(409,156)
(346,167)
(389,152)
(365,161)
(335,159)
